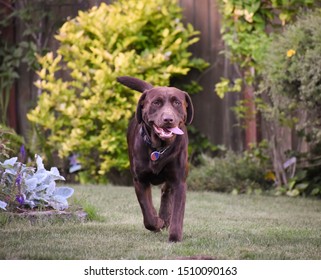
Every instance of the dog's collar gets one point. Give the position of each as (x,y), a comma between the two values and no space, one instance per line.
(155,155)
(143,133)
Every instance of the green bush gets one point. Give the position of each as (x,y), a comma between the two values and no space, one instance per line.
(199,144)
(10,143)
(292,78)
(237,173)
(87,111)
(292,72)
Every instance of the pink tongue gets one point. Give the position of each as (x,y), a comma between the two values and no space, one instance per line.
(176,130)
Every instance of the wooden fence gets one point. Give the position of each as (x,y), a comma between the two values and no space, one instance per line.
(213,116)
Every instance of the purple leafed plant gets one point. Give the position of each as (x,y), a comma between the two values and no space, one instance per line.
(21,185)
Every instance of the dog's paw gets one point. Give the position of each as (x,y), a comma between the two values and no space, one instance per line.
(157,225)
(174,238)
(160,224)
(175,235)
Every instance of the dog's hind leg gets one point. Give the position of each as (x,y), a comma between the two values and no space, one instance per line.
(165,210)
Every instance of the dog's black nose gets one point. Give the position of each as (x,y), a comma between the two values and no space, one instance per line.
(168,119)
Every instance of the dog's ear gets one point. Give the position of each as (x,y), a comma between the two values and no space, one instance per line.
(139,114)
(134,83)
(138,85)
(190,109)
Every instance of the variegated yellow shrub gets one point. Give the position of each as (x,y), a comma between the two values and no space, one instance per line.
(84,110)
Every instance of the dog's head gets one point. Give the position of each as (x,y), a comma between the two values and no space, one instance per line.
(165,109)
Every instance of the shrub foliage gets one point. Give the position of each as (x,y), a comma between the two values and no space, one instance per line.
(85,111)
(292,79)
(10,142)
(232,173)
(292,71)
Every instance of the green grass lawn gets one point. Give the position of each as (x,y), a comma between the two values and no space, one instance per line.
(216,225)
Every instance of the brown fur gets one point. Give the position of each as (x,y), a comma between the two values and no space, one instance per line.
(165,108)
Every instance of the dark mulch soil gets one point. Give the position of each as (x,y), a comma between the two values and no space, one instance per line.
(47,214)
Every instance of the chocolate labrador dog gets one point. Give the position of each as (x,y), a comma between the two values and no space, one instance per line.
(157,145)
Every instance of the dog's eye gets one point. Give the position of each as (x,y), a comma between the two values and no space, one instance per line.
(157,103)
(177,103)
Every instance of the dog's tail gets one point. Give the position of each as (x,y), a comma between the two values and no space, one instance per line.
(134,83)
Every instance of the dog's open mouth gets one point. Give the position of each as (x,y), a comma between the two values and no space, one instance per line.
(167,132)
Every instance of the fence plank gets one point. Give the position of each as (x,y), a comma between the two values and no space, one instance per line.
(213,116)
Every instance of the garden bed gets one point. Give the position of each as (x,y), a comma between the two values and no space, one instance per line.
(49,215)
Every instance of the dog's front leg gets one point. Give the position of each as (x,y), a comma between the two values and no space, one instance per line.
(144,195)
(178,210)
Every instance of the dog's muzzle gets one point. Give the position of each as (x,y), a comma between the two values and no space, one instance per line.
(167,132)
